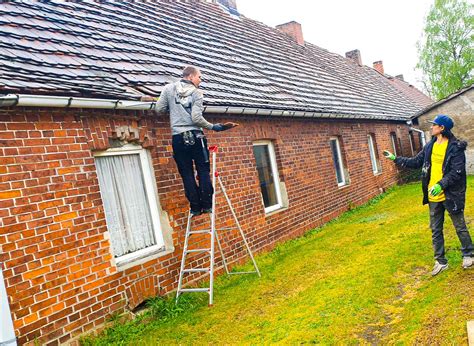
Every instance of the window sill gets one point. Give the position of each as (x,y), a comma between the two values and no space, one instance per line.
(343,186)
(144,257)
(276,211)
(377,174)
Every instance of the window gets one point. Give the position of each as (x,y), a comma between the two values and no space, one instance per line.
(400,146)
(374,154)
(338,161)
(393,138)
(268,175)
(130,202)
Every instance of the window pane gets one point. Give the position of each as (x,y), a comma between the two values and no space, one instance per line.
(372,154)
(337,161)
(126,207)
(265,175)
(394,145)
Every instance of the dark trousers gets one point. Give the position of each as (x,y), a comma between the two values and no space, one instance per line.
(185,154)
(436,224)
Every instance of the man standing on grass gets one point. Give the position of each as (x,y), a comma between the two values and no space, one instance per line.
(184,102)
(443,164)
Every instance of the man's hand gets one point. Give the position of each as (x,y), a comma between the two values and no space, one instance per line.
(147,98)
(435,190)
(389,155)
(222,127)
(230,125)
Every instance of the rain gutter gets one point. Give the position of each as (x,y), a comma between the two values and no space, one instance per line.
(20,100)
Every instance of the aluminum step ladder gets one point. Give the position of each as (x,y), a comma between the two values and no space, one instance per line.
(213,234)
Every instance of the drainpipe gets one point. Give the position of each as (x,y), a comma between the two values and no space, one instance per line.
(7,333)
(422,134)
(12,100)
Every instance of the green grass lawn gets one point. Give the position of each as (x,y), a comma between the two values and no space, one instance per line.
(362,278)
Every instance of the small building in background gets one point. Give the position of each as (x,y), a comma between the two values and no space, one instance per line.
(460,107)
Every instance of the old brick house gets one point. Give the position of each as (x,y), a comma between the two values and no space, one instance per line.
(313,125)
(459,106)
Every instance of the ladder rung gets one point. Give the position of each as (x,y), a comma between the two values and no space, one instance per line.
(198,250)
(201,231)
(196,270)
(205,289)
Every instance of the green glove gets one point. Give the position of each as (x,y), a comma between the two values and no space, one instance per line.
(435,190)
(389,155)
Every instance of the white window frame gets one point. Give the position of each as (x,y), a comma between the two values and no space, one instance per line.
(341,163)
(276,176)
(152,198)
(393,138)
(373,156)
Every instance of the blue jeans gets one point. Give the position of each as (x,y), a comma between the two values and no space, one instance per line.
(185,153)
(436,224)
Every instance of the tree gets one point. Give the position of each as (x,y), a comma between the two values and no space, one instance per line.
(446,49)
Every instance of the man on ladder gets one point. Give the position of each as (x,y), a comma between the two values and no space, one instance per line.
(184,102)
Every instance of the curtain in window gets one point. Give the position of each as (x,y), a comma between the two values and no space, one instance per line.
(125,203)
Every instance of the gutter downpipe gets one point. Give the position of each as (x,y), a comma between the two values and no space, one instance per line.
(22,100)
(422,135)
(7,333)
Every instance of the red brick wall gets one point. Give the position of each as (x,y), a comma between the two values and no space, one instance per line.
(58,267)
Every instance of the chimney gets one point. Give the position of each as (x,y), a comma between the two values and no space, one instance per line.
(378,66)
(293,29)
(400,76)
(230,5)
(355,56)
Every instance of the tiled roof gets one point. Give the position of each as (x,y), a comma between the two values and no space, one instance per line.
(125,49)
(412,92)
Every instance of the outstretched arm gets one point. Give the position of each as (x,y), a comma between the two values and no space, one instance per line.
(411,162)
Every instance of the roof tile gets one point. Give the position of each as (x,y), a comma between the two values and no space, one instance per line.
(114,49)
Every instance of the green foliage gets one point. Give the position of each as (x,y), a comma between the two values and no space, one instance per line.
(446,50)
(164,308)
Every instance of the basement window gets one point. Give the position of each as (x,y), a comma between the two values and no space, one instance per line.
(374,154)
(338,162)
(264,153)
(130,202)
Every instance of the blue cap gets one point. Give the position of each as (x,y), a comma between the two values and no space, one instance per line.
(443,120)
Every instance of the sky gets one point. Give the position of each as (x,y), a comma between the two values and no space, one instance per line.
(386,30)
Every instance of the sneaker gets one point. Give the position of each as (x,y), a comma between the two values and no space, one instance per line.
(207,211)
(438,268)
(468,262)
(195,213)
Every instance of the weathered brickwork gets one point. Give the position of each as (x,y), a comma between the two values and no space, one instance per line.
(59,271)
(461,109)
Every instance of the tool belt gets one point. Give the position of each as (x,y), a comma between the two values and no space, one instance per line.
(189,137)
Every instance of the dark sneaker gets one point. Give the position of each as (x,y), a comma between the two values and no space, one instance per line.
(207,211)
(195,213)
(438,268)
(468,262)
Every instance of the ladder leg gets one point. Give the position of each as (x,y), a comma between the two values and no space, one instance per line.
(183,258)
(213,231)
(222,253)
(238,225)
